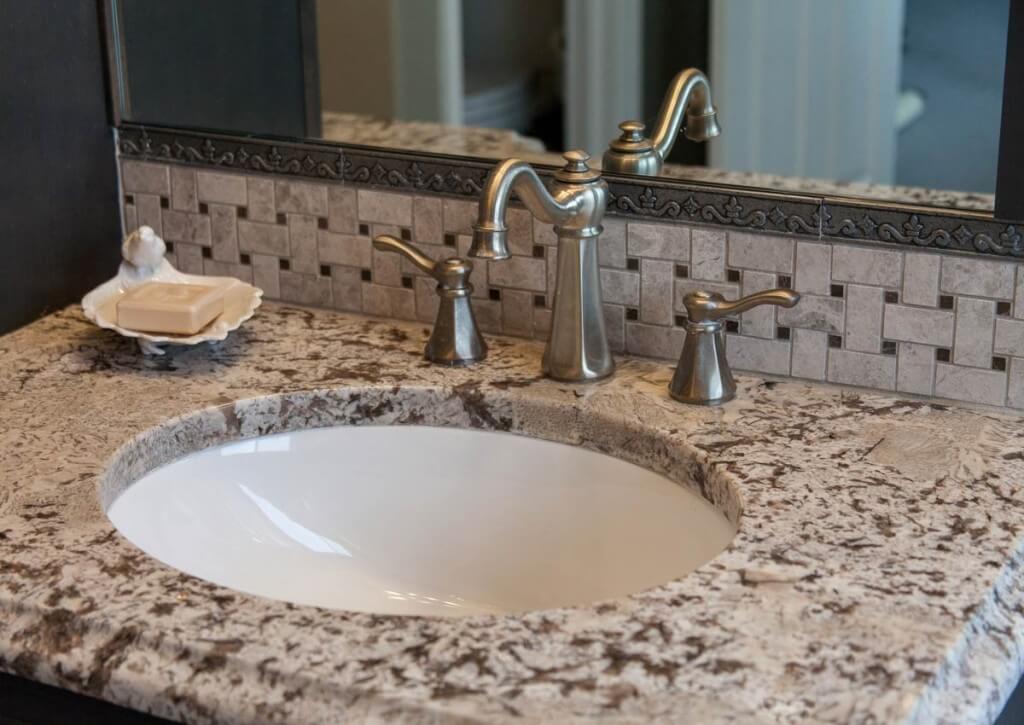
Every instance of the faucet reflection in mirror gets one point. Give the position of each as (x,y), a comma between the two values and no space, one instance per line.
(634,153)
(577,348)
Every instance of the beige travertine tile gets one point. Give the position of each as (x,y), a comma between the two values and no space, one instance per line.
(427,300)
(459,216)
(813,268)
(542,324)
(915,371)
(387,268)
(183,189)
(758,355)
(912,324)
(266,274)
(611,247)
(346,289)
(543,233)
(979,277)
(1015,394)
(658,241)
(861,265)
(305,289)
(1009,338)
(302,242)
(263,238)
(521,272)
(970,384)
(762,252)
(656,292)
(184,226)
(921,279)
(261,200)
(975,323)
(707,254)
(810,353)
(517,313)
(141,177)
(216,268)
(863,369)
(148,212)
(389,301)
(224,233)
(1018,298)
(615,327)
(654,340)
(190,258)
(520,231)
(129,219)
(863,318)
(427,220)
(488,315)
(760,321)
(620,287)
(222,188)
(300,197)
(346,249)
(815,312)
(341,210)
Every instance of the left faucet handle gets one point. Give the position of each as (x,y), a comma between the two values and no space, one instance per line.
(388,243)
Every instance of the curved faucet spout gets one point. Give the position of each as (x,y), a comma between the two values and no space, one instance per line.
(690,93)
(490,232)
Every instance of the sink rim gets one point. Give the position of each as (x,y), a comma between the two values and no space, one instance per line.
(190,432)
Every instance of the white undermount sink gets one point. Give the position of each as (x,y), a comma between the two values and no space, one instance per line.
(419,520)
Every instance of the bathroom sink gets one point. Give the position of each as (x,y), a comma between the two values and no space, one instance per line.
(419,520)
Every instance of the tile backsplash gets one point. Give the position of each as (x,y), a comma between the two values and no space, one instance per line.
(887,318)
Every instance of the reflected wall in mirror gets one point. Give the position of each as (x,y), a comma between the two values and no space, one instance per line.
(883,99)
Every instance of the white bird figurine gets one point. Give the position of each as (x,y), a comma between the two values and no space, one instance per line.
(143,252)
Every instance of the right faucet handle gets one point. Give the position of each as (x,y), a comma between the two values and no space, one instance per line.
(709,306)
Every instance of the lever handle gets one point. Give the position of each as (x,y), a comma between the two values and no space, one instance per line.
(388,243)
(452,273)
(709,306)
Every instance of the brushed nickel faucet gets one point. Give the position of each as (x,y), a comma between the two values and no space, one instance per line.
(577,348)
(703,376)
(455,339)
(634,153)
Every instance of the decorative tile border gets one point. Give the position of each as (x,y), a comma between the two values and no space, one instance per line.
(806,216)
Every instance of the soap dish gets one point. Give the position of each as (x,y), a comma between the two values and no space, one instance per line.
(100,305)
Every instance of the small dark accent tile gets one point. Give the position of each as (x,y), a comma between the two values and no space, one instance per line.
(540,301)
(282,218)
(243,212)
(837,290)
(365,275)
(782,333)
(942,354)
(682,271)
(733,275)
(785,282)
(129,199)
(945,302)
(244,259)
(732,325)
(538,251)
(835,341)
(449,240)
(165,203)
(170,246)
(321,222)
(494,294)
(891,297)
(364,230)
(407,282)
(207,253)
(999,363)
(325,270)
(632,263)
(406,234)
(888,347)
(284,264)
(1003,309)
(680,320)
(632,314)
(204,208)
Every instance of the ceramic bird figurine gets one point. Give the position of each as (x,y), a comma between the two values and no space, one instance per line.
(143,252)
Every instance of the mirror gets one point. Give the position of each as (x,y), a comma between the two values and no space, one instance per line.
(895,100)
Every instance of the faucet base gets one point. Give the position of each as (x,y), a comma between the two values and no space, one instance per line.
(703,376)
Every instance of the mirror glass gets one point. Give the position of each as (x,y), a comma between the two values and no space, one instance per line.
(888,99)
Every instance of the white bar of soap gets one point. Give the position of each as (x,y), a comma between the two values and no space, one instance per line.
(178,309)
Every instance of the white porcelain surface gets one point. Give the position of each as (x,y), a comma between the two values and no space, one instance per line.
(419,520)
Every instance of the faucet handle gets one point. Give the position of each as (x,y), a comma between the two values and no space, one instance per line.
(452,273)
(710,306)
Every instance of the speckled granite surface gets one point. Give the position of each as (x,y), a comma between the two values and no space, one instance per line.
(876,575)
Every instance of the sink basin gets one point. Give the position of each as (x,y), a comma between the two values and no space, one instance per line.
(419,520)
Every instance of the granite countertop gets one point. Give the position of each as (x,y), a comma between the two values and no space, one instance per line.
(875,576)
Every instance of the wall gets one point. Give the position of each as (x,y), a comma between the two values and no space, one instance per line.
(881,317)
(354,47)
